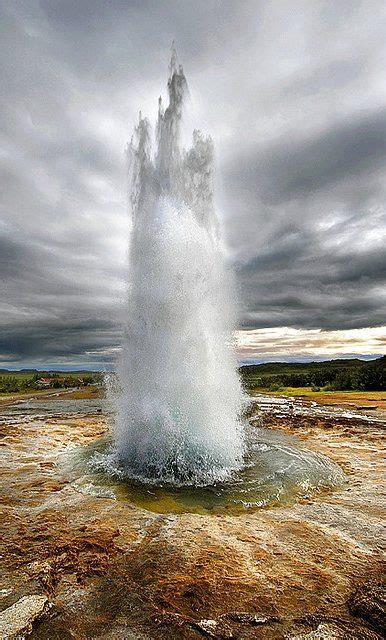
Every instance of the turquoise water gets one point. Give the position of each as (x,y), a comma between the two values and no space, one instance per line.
(277,471)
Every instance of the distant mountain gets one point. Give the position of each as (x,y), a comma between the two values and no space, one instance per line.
(44,372)
(10,371)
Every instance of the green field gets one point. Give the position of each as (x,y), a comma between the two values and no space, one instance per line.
(21,375)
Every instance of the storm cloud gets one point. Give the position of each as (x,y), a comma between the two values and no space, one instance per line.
(294,97)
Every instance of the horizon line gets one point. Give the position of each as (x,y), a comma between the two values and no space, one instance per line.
(110,367)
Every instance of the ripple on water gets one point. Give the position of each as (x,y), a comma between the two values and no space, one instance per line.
(277,471)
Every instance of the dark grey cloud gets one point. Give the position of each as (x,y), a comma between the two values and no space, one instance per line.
(62,340)
(287,170)
(294,96)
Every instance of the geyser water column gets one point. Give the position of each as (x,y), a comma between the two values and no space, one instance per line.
(178,409)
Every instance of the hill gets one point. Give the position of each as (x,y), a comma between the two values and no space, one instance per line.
(335,374)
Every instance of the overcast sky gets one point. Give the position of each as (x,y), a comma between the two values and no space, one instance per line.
(294,95)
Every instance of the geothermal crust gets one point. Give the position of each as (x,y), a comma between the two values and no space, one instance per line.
(98,568)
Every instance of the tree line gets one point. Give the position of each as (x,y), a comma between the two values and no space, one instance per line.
(369,376)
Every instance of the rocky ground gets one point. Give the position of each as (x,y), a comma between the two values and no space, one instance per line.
(77,566)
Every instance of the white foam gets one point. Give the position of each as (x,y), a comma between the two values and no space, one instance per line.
(179,400)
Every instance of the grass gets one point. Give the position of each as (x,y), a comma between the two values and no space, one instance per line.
(20,375)
(339,398)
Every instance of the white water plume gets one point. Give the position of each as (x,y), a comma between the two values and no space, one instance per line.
(178,408)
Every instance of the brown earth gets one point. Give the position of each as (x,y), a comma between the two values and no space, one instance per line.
(344,399)
(112,570)
(352,398)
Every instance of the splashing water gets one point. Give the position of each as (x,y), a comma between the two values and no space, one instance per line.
(177,416)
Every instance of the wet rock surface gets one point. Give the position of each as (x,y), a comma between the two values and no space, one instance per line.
(112,570)
(18,619)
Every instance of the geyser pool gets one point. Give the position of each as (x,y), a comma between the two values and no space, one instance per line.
(177,411)
(278,470)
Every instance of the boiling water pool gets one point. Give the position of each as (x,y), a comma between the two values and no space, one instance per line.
(277,471)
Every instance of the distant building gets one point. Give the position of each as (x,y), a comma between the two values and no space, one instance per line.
(45,382)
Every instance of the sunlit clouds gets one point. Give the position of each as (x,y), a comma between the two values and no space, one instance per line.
(283,343)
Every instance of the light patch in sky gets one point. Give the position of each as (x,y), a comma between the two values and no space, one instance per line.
(282,342)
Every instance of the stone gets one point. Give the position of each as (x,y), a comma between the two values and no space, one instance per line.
(19,617)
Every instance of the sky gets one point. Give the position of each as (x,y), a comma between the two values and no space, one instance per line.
(294,96)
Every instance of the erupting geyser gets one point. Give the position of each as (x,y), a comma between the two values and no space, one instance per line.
(177,417)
